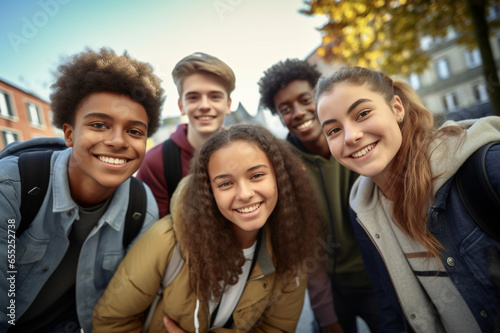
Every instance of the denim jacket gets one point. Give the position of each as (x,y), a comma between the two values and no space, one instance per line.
(465,258)
(41,248)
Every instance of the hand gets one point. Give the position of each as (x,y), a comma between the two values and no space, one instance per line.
(333,328)
(172,326)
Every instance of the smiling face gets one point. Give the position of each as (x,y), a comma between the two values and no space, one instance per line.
(205,101)
(361,128)
(244,186)
(295,105)
(109,142)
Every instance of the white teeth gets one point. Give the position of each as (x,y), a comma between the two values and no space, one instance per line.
(363,151)
(205,118)
(305,125)
(112,160)
(249,209)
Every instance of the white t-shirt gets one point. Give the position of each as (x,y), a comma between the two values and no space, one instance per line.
(230,298)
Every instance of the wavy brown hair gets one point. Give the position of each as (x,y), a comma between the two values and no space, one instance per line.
(90,72)
(410,173)
(215,255)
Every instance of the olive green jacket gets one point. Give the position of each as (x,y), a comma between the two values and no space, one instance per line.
(333,183)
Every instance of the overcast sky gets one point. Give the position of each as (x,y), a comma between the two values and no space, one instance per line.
(249,35)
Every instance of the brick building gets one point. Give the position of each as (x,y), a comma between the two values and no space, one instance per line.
(23,115)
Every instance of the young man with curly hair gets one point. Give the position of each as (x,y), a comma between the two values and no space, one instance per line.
(286,89)
(204,83)
(107,105)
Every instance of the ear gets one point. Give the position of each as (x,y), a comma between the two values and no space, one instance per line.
(228,111)
(398,108)
(68,134)
(181,107)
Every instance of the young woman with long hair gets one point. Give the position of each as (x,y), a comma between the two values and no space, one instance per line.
(422,249)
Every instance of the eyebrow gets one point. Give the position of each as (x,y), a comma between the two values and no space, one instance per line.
(197,92)
(229,175)
(108,117)
(349,110)
(305,93)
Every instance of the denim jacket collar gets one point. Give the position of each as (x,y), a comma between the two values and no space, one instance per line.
(64,203)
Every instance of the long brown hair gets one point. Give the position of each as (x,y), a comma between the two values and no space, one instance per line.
(215,256)
(410,173)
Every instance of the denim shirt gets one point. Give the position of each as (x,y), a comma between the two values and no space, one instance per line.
(465,258)
(41,248)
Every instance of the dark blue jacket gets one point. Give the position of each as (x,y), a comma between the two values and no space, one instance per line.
(463,240)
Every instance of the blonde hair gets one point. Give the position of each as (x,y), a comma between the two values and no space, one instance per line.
(203,63)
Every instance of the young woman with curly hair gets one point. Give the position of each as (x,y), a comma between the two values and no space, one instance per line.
(246,222)
(423,250)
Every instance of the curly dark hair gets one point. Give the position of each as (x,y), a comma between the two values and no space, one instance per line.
(215,255)
(280,75)
(89,72)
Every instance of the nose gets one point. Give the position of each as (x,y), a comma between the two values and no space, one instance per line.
(352,134)
(116,139)
(245,191)
(204,103)
(298,111)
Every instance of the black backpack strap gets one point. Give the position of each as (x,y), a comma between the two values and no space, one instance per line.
(477,193)
(172,166)
(34,185)
(136,211)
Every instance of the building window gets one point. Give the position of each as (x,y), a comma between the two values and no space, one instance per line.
(473,58)
(6,105)
(450,102)
(493,12)
(34,114)
(9,137)
(415,81)
(443,68)
(480,93)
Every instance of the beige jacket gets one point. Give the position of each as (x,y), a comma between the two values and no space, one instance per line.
(266,305)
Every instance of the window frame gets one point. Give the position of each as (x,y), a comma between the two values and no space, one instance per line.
(439,68)
(480,93)
(9,105)
(451,96)
(30,106)
(6,131)
(473,58)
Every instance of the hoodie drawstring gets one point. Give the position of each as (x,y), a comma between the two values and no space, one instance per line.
(196,322)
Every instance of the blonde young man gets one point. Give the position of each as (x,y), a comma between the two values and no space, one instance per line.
(204,83)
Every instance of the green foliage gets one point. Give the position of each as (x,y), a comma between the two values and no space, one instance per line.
(386,34)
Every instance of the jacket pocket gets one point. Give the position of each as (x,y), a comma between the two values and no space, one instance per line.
(30,250)
(30,253)
(110,262)
(473,250)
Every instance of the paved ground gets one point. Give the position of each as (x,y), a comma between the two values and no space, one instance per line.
(307,324)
